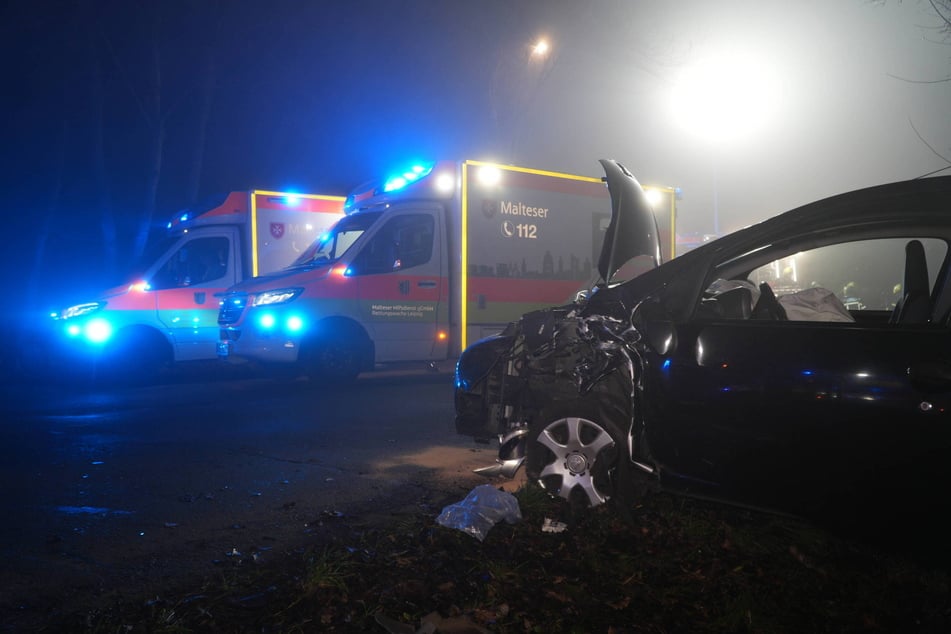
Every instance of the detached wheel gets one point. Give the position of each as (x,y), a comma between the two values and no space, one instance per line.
(574,450)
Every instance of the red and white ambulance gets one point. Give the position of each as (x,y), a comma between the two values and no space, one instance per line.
(169,312)
(423,263)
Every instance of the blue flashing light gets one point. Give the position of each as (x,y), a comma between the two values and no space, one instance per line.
(807,372)
(295,323)
(666,364)
(292,199)
(394,183)
(169,225)
(98,330)
(73,330)
(412,175)
(267,321)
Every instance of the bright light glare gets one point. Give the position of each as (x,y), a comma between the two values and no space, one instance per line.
(295,323)
(98,330)
(267,321)
(489,175)
(726,97)
(540,48)
(654,197)
(445,182)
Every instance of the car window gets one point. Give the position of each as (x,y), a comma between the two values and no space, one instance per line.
(863,275)
(860,280)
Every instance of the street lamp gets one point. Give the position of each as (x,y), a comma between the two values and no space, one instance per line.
(723,100)
(540,49)
(516,82)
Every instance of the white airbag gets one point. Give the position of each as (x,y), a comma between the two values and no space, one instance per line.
(814,304)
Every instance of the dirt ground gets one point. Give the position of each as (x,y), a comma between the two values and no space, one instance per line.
(89,563)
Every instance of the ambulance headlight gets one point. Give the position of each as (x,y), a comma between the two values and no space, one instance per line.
(81,309)
(277,296)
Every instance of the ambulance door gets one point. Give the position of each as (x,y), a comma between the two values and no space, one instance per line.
(402,284)
(201,264)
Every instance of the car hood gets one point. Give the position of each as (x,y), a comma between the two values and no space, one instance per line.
(633,229)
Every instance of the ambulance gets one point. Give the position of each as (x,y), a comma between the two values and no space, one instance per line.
(169,313)
(424,262)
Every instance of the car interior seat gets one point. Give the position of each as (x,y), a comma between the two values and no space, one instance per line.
(736,303)
(914,306)
(767,306)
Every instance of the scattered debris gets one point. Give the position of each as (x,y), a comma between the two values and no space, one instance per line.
(482,509)
(553,526)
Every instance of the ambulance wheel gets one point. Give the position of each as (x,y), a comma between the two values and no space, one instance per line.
(137,355)
(338,358)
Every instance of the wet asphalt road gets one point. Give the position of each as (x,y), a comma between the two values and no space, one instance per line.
(139,486)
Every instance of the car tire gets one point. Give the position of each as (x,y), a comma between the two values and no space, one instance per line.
(336,359)
(137,356)
(575,449)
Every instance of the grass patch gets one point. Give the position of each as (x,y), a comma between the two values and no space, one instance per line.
(676,565)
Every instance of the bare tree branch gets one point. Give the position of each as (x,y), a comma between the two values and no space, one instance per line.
(933,151)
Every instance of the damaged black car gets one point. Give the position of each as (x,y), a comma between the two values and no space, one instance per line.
(801,365)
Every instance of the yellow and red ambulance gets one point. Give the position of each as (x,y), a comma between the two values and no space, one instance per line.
(424,262)
(169,313)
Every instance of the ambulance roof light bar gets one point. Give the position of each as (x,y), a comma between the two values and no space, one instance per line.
(401,180)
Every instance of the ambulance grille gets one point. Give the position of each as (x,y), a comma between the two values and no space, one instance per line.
(232,305)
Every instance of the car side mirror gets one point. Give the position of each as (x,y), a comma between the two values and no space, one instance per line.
(661,335)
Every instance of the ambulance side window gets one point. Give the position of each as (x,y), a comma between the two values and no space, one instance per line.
(197,262)
(403,242)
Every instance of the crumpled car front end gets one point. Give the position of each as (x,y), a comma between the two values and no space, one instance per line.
(559,390)
(559,387)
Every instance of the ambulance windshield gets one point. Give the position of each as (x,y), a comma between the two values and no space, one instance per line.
(334,243)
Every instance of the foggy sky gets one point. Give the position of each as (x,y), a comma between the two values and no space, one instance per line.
(321,96)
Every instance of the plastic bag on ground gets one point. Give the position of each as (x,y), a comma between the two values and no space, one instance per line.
(483,508)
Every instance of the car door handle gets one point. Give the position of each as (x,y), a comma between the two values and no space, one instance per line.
(199,297)
(404,287)
(426,284)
